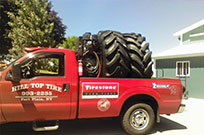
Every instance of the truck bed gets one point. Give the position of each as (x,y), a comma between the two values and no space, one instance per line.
(114,92)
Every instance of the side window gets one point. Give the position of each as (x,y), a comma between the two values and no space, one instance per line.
(43,65)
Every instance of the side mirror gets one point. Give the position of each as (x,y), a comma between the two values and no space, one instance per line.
(16,72)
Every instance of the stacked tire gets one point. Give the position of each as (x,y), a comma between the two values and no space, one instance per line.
(120,55)
(86,45)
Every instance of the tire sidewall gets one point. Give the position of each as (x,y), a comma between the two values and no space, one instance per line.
(126,119)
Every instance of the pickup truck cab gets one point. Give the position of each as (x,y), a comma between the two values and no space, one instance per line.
(44,85)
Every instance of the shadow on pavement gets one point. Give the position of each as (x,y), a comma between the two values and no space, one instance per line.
(166,125)
(109,126)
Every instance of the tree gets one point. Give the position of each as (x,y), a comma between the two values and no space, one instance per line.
(59,28)
(33,26)
(5,42)
(70,42)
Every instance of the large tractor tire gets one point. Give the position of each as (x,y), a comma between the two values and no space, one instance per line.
(85,48)
(115,58)
(140,55)
(116,55)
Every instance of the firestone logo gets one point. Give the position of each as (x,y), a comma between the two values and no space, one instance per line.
(102,87)
(94,90)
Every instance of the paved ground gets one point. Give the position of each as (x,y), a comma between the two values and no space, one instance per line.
(188,123)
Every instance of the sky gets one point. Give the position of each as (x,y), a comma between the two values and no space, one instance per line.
(157,20)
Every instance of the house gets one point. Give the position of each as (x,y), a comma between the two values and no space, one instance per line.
(186,60)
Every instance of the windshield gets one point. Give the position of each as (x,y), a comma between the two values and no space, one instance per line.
(5,67)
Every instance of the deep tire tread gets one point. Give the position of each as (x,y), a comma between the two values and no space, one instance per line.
(121,55)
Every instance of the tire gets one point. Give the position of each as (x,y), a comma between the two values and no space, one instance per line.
(115,58)
(121,55)
(140,55)
(85,46)
(90,65)
(144,122)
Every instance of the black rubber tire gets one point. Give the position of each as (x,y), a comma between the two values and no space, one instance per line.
(129,122)
(85,46)
(115,58)
(90,65)
(140,55)
(79,48)
(121,55)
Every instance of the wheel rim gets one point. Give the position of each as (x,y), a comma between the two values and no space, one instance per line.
(139,119)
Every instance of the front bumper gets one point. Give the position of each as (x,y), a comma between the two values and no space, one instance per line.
(181,108)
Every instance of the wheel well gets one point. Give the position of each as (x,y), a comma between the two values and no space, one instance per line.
(141,99)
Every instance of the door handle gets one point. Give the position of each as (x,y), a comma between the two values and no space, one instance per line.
(66,87)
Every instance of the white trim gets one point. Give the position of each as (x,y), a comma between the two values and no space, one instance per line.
(154,68)
(191,50)
(182,69)
(197,34)
(181,39)
(189,28)
(178,56)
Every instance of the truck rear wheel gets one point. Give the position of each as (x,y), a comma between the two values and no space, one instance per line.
(138,119)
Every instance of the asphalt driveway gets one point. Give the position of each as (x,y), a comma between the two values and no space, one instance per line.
(186,123)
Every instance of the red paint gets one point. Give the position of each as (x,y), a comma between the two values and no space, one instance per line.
(84,96)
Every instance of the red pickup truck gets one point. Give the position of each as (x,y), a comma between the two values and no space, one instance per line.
(44,85)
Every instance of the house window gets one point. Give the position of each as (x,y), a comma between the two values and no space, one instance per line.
(183,68)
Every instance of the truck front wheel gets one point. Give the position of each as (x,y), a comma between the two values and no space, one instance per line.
(138,119)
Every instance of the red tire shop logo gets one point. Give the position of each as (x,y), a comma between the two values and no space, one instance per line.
(103,105)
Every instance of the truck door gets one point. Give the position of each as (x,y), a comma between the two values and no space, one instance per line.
(42,93)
